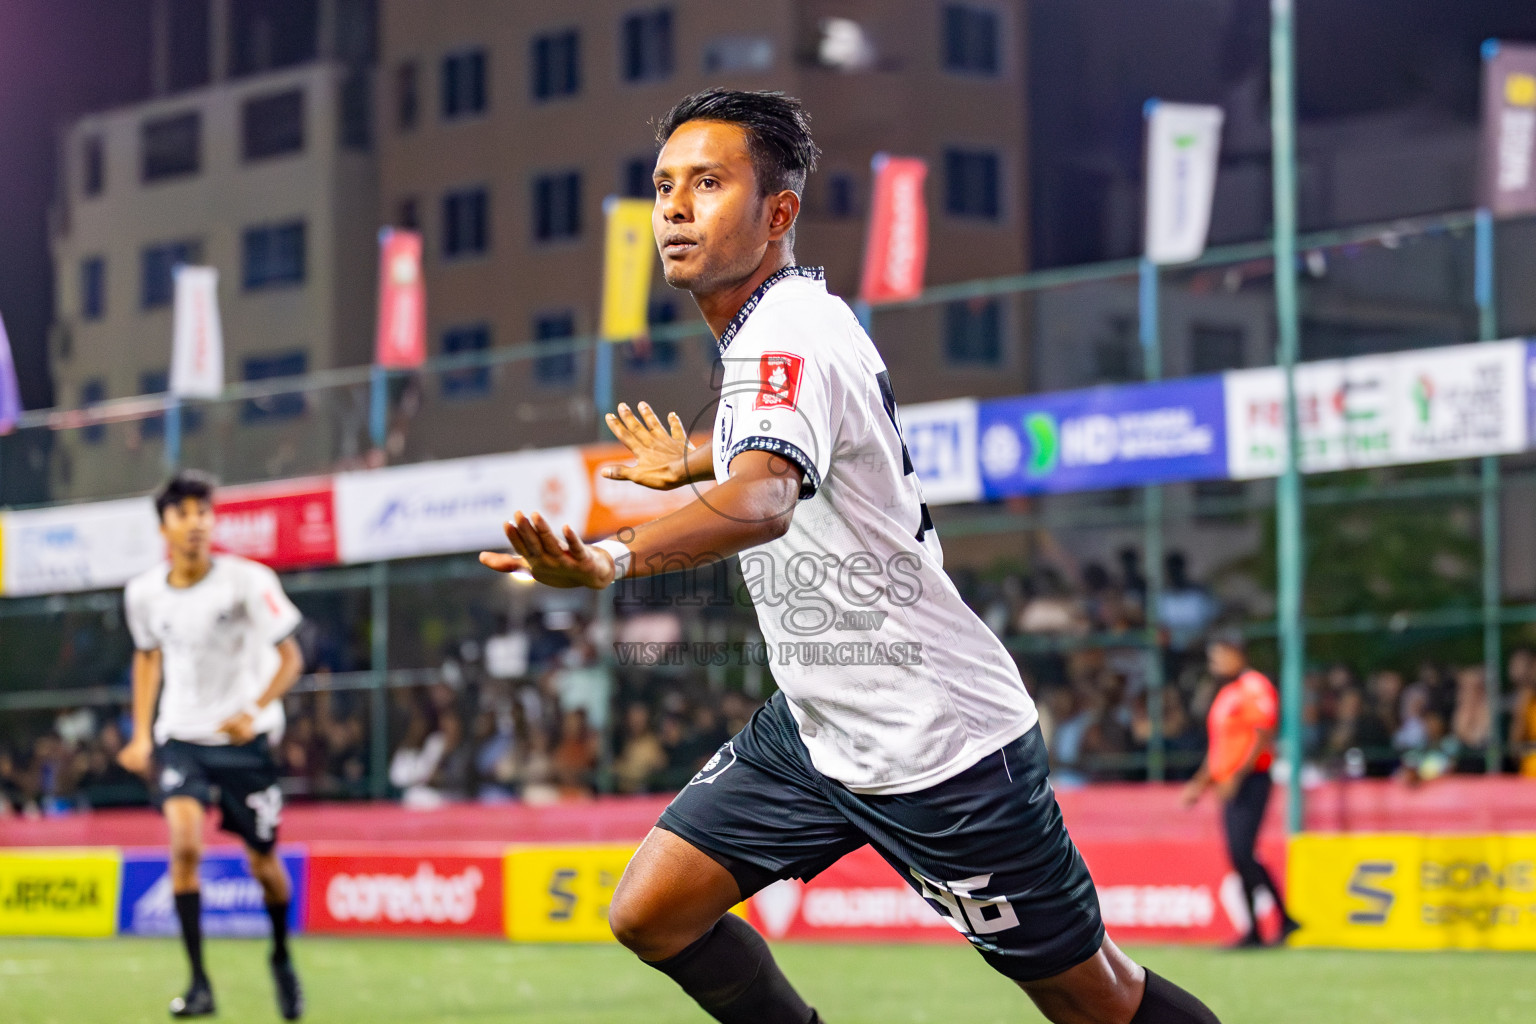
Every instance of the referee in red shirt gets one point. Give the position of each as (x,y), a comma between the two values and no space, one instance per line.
(1241,725)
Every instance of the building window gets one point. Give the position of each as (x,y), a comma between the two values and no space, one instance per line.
(973,333)
(188,52)
(268,34)
(469,381)
(466,231)
(272,125)
(285,406)
(154,382)
(93,288)
(647,45)
(556,65)
(1214,348)
(637,181)
(408,214)
(463,84)
(558,369)
(274,255)
(738,53)
(971,186)
(654,353)
(970,40)
(356,113)
(92,392)
(93,166)
(842,196)
(557,206)
(407,96)
(158,286)
(172,146)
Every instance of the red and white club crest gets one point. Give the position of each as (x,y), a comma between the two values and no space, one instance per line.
(780,380)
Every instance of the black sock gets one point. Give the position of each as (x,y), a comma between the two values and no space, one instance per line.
(189,910)
(731,974)
(1166,1003)
(278,912)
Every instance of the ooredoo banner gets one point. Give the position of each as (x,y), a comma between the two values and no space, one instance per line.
(79,547)
(59,892)
(392,893)
(233,904)
(436,508)
(290,524)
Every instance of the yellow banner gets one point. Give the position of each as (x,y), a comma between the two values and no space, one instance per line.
(628,256)
(561,894)
(1397,891)
(59,892)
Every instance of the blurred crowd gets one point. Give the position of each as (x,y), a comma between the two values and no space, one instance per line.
(530,711)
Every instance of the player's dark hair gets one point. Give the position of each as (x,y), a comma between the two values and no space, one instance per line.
(1230,637)
(777,126)
(189,483)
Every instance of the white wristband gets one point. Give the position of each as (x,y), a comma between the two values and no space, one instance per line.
(621,555)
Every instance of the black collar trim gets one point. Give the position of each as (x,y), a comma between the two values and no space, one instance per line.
(740,319)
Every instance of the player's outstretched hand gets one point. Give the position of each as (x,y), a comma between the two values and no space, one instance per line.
(135,756)
(660,452)
(554,559)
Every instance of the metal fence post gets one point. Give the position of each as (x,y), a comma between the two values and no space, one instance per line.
(1148,312)
(378,636)
(1488,330)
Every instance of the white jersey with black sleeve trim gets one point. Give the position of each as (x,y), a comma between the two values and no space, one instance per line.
(895,684)
(218,643)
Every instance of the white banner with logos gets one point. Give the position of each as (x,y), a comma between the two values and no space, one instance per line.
(438,508)
(197,343)
(1424,406)
(1183,148)
(941,438)
(79,547)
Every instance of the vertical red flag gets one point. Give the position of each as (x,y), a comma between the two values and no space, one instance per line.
(402,339)
(896,253)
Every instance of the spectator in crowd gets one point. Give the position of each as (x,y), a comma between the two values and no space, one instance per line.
(1185,610)
(495,757)
(1433,756)
(415,763)
(1471,724)
(455,775)
(1522,724)
(641,757)
(1387,700)
(575,758)
(1355,728)
(1412,729)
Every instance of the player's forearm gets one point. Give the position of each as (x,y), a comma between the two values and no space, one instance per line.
(288,671)
(146,690)
(698,465)
(737,515)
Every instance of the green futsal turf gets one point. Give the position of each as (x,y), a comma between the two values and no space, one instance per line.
(127,981)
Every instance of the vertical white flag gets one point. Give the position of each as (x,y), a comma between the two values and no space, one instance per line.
(197,350)
(1183,144)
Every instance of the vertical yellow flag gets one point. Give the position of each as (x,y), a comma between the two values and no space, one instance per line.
(628,257)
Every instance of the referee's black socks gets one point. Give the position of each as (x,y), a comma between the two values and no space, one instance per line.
(189,911)
(1166,1003)
(278,912)
(731,974)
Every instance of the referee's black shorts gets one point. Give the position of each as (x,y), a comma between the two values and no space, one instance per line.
(241,779)
(987,849)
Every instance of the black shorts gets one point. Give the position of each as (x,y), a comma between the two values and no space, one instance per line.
(987,849)
(241,779)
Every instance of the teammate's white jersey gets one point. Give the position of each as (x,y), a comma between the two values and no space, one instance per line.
(218,641)
(895,683)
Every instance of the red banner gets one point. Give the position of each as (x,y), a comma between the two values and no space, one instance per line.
(402,338)
(286,525)
(389,894)
(896,253)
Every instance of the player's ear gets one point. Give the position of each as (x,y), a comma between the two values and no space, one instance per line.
(783,209)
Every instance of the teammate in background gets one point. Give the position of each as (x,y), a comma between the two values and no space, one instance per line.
(1241,723)
(901,721)
(215,647)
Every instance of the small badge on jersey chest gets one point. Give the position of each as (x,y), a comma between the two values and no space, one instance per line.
(780,380)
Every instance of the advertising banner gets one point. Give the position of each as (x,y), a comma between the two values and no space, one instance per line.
(896,250)
(402,339)
(619,503)
(629,253)
(562,894)
(1103,437)
(1530,394)
(290,524)
(1183,149)
(10,390)
(1424,406)
(1405,891)
(1509,129)
(59,892)
(233,904)
(941,438)
(436,508)
(80,547)
(197,344)
(384,893)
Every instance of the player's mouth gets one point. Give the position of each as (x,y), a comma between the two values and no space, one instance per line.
(678,245)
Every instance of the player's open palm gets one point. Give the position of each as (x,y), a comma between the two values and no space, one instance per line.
(661,451)
(554,559)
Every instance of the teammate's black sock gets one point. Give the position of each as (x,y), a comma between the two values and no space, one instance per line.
(278,912)
(189,910)
(1166,1003)
(731,974)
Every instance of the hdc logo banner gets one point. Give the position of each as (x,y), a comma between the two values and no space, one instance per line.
(1104,437)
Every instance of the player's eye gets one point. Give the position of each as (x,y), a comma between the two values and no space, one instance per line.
(707,183)
(662,188)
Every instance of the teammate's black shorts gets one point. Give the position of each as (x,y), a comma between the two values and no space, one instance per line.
(241,779)
(987,849)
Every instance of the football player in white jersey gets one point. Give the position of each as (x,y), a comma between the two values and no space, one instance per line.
(900,720)
(214,656)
